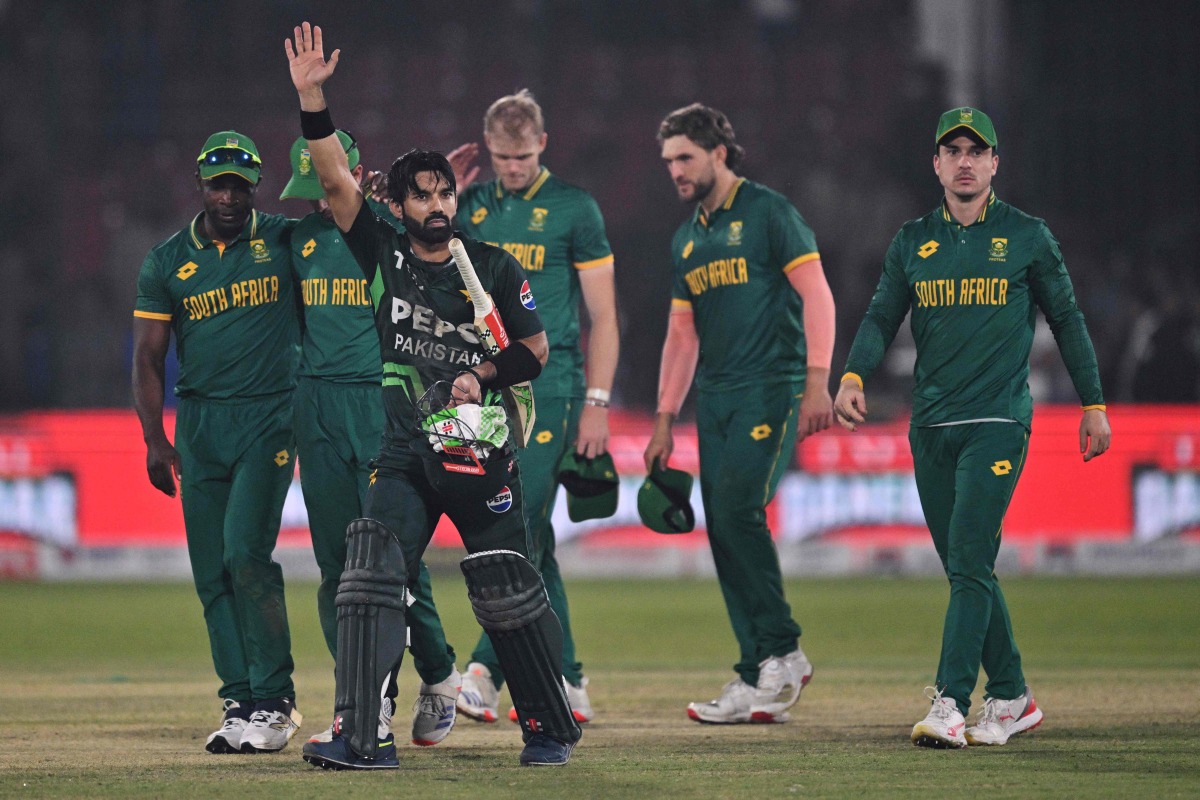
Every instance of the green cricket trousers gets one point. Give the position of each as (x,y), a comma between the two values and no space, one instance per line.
(237,465)
(746,442)
(966,475)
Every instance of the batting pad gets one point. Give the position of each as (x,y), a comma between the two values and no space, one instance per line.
(510,602)
(371,631)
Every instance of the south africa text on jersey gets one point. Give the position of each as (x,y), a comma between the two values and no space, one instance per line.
(336,292)
(970,292)
(253,292)
(722,272)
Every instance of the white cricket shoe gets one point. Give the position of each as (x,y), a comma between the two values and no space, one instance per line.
(733,706)
(479,698)
(434,711)
(271,726)
(577,699)
(999,720)
(777,690)
(324,736)
(943,726)
(228,738)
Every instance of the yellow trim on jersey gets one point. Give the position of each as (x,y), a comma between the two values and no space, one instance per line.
(1099,406)
(152,315)
(595,262)
(795,262)
(680,305)
(542,177)
(982,214)
(852,376)
(200,245)
(732,194)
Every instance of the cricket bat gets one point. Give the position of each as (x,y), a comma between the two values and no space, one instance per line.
(489,326)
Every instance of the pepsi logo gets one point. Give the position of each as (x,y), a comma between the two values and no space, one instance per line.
(501,502)
(527,296)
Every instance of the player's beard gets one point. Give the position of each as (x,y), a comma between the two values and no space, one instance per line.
(426,235)
(701,189)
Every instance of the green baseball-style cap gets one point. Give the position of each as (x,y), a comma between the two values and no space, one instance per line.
(305,185)
(972,119)
(592,485)
(665,501)
(228,152)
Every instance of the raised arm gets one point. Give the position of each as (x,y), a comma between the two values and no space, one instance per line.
(151,337)
(310,70)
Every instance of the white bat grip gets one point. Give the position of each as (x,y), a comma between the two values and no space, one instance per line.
(479,298)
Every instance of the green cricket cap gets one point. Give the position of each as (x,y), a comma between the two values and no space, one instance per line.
(305,185)
(592,485)
(974,120)
(665,501)
(227,152)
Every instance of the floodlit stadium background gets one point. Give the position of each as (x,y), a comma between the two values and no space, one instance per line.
(106,105)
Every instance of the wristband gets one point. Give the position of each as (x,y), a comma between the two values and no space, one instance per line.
(316,124)
(603,395)
(591,401)
(469,371)
(514,364)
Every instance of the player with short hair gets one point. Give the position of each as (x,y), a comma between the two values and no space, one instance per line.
(556,232)
(223,285)
(973,272)
(339,427)
(427,341)
(752,318)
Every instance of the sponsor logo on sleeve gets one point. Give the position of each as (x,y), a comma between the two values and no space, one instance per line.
(527,296)
(501,502)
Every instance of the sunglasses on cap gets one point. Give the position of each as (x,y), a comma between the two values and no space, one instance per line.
(350,148)
(229,155)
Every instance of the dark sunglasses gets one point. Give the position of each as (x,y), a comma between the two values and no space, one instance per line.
(353,142)
(229,155)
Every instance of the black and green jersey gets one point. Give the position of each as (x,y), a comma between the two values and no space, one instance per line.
(731,270)
(423,315)
(974,291)
(232,308)
(554,230)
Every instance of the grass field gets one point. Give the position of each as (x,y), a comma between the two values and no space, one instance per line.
(108,691)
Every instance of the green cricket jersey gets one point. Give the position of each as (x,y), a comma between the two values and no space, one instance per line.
(554,230)
(232,308)
(974,291)
(731,270)
(425,319)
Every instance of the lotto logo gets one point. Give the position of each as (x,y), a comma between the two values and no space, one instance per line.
(501,502)
(527,296)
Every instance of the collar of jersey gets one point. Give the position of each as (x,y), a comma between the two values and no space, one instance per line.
(983,214)
(248,232)
(528,194)
(701,218)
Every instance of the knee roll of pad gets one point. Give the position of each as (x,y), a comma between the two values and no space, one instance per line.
(371,631)
(510,602)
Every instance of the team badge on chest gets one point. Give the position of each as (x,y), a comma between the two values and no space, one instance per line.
(999,250)
(735,233)
(258,249)
(537,222)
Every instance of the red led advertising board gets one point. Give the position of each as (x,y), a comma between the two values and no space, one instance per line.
(78,479)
